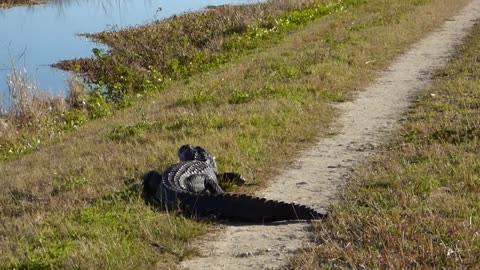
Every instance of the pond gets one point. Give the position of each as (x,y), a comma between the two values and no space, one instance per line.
(34,37)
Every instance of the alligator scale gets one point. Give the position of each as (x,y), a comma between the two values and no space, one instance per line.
(192,185)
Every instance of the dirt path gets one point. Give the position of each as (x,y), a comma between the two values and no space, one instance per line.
(316,177)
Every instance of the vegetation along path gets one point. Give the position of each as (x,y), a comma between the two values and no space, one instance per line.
(316,177)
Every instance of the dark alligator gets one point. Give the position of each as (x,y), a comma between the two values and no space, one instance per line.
(192,186)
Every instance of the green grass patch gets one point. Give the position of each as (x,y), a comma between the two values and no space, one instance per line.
(416,204)
(115,232)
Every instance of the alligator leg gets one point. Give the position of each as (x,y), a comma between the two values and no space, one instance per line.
(232,177)
(200,183)
(151,181)
(212,186)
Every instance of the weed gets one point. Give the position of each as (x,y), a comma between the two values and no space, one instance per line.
(241,96)
(72,119)
(197,98)
(121,133)
(68,183)
(77,95)
(97,104)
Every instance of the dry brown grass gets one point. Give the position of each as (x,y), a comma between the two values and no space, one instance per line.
(26,104)
(77,93)
(25,113)
(250,113)
(11,3)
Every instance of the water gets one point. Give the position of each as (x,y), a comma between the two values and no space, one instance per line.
(37,36)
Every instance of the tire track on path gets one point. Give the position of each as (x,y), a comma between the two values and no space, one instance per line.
(316,178)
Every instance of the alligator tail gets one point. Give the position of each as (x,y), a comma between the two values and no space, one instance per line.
(244,208)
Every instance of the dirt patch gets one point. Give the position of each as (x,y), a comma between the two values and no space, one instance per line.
(321,172)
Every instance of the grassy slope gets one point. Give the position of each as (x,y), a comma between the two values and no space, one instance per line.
(57,206)
(143,61)
(416,204)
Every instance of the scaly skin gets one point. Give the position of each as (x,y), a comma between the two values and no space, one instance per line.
(192,185)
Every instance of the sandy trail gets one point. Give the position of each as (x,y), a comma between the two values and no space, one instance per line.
(315,179)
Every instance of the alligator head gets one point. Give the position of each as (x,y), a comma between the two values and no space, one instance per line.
(189,152)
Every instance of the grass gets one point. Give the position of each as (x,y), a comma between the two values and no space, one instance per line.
(74,202)
(416,203)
